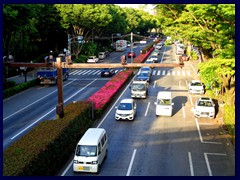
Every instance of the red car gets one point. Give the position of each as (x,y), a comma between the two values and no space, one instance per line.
(131,54)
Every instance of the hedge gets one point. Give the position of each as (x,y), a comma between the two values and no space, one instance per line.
(46,148)
(21,87)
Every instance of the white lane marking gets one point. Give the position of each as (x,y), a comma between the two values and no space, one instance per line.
(147,109)
(188,73)
(35,102)
(163,73)
(163,55)
(173,73)
(131,162)
(179,84)
(207,162)
(154,72)
(178,72)
(54,109)
(183,73)
(193,68)
(190,163)
(184,114)
(200,135)
(65,171)
(190,97)
(168,73)
(155,82)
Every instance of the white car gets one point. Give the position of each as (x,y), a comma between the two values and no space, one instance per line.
(126,110)
(92,59)
(195,87)
(204,108)
(154,58)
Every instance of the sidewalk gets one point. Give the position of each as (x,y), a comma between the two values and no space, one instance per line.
(21,78)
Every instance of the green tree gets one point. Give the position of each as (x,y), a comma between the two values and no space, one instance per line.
(220,74)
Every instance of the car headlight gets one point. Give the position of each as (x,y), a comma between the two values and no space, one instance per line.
(94,162)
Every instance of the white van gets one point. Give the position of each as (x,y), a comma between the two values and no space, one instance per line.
(102,55)
(91,150)
(164,103)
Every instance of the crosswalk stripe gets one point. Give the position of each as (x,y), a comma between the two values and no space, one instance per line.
(81,71)
(155,72)
(96,72)
(74,72)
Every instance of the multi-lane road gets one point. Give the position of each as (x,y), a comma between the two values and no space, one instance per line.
(180,145)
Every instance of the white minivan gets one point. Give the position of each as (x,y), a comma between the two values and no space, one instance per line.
(91,150)
(164,104)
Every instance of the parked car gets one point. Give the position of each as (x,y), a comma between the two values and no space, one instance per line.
(126,110)
(195,87)
(204,108)
(131,54)
(107,72)
(92,59)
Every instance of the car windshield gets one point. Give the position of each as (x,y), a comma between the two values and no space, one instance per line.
(145,69)
(136,87)
(196,84)
(205,103)
(125,106)
(143,75)
(163,102)
(83,150)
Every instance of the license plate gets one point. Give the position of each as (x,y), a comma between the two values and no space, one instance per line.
(80,167)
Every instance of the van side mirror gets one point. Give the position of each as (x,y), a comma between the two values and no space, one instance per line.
(155,103)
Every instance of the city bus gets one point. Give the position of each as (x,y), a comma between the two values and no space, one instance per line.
(121,45)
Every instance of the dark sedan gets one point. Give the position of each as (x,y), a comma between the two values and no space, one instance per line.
(107,72)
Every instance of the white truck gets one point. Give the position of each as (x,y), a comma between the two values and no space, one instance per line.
(139,89)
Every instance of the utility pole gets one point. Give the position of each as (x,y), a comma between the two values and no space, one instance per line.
(59,107)
(131,47)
